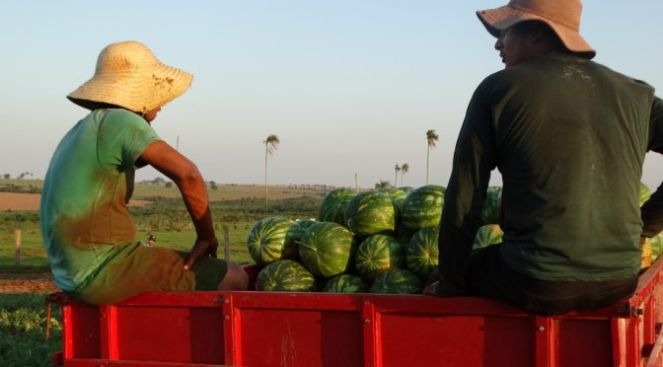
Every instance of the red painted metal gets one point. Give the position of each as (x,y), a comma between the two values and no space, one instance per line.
(317,329)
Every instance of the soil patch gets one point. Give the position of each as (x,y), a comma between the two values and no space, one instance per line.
(27,283)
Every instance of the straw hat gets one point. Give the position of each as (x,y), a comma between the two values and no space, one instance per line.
(130,76)
(563,16)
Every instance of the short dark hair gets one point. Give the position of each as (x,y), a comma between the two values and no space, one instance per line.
(542,29)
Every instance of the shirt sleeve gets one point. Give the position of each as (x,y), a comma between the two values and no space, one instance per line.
(652,210)
(123,137)
(474,159)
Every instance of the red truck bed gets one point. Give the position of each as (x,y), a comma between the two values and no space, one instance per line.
(320,329)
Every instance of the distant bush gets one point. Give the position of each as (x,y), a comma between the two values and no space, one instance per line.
(29,189)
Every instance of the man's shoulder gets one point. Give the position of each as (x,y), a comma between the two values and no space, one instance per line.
(121,115)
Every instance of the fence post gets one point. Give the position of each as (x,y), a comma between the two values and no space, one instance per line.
(17,251)
(226,244)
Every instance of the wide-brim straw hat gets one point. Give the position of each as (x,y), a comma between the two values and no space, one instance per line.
(129,75)
(563,16)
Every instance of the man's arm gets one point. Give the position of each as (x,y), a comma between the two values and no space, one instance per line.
(652,210)
(188,179)
(474,159)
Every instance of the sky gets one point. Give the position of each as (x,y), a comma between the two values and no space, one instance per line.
(349,87)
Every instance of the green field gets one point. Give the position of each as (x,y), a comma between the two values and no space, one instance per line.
(161,212)
(22,331)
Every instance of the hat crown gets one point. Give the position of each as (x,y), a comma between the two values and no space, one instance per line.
(125,56)
(565,12)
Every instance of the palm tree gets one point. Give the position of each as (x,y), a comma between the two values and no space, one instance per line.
(397,169)
(431,137)
(404,170)
(382,185)
(271,145)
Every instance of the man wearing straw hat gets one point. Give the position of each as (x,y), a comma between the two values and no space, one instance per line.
(87,229)
(569,137)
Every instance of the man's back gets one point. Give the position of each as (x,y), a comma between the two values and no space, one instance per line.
(570,137)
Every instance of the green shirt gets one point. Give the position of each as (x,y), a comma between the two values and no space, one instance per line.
(87,187)
(569,137)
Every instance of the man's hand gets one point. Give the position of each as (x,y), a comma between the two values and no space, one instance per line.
(202,247)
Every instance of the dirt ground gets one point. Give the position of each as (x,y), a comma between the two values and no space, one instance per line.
(18,201)
(27,283)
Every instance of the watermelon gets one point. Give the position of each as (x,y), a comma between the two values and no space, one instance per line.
(407,189)
(397,281)
(645,193)
(267,240)
(421,255)
(487,235)
(334,203)
(295,234)
(371,213)
(656,246)
(327,249)
(397,196)
(404,234)
(422,208)
(345,283)
(287,276)
(492,206)
(377,254)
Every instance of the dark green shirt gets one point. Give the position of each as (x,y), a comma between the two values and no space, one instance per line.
(569,137)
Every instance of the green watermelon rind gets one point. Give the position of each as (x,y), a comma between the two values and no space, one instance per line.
(285,276)
(333,205)
(345,283)
(422,254)
(487,235)
(422,208)
(397,281)
(370,213)
(266,241)
(377,254)
(492,206)
(327,249)
(644,193)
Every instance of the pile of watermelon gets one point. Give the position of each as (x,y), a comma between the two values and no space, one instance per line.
(382,241)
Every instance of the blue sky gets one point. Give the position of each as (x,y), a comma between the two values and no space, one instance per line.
(348,86)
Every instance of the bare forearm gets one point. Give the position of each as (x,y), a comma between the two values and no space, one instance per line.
(194,193)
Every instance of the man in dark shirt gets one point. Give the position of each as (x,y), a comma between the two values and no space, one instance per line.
(569,137)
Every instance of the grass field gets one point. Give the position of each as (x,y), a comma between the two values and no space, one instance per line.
(22,325)
(160,211)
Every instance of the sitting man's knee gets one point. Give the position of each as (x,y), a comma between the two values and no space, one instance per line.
(236,279)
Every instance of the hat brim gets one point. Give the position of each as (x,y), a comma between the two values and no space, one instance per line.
(139,93)
(498,19)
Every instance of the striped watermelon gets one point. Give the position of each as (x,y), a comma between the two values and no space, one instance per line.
(334,203)
(397,196)
(656,246)
(645,193)
(492,206)
(327,249)
(345,283)
(286,276)
(370,213)
(295,234)
(422,208)
(377,254)
(490,234)
(397,281)
(267,240)
(421,255)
